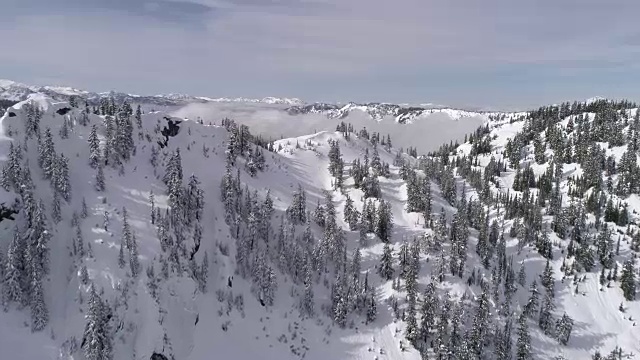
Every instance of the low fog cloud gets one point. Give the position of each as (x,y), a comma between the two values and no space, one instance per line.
(426,133)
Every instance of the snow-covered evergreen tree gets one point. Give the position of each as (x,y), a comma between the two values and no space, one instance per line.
(564,325)
(386,263)
(96,341)
(94,147)
(628,280)
(99,179)
(523,345)
(14,272)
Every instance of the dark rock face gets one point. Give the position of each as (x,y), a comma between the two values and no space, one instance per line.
(172,129)
(63,111)
(156,356)
(7,212)
(5,104)
(311,109)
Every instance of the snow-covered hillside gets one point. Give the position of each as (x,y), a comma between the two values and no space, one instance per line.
(156,296)
(130,235)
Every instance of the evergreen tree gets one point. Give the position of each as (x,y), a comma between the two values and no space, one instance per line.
(84,275)
(318,215)
(85,211)
(14,272)
(428,312)
(121,261)
(79,242)
(371,186)
(503,347)
(628,280)
(56,215)
(47,154)
(99,181)
(385,221)
(351,215)
(39,311)
(479,329)
(204,273)
(523,345)
(411,330)
(297,211)
(386,263)
(64,129)
(376,164)
(563,329)
(37,252)
(11,170)
(531,306)
(96,342)
(134,262)
(139,117)
(60,177)
(109,151)
(308,303)
(339,299)
(94,147)
(335,159)
(545,321)
(455,338)
(547,279)
(372,311)
(522,275)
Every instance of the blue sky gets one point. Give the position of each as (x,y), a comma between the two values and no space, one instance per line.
(492,53)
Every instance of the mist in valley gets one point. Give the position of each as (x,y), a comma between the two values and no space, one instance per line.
(426,133)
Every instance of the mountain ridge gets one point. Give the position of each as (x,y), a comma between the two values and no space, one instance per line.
(12,90)
(402,113)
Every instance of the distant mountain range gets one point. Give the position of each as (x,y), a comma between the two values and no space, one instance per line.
(11,90)
(401,113)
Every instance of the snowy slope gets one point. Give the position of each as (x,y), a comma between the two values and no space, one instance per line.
(173,315)
(599,324)
(191,320)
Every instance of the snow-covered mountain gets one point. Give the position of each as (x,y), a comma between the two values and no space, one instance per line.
(131,235)
(11,90)
(403,114)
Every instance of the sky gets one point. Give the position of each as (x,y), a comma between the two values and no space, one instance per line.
(499,54)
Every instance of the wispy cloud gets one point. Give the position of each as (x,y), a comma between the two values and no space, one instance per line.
(456,52)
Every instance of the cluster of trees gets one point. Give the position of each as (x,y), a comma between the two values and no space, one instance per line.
(600,190)
(26,265)
(293,249)
(375,138)
(418,194)
(242,143)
